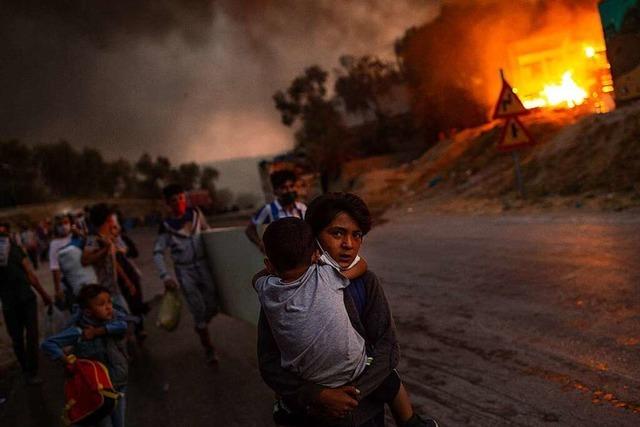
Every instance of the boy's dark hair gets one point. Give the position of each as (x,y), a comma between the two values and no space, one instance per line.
(289,243)
(89,292)
(278,178)
(171,190)
(99,213)
(323,209)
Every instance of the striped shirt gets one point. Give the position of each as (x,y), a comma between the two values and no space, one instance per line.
(274,211)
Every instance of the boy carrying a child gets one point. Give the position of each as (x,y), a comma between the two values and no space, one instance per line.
(303,303)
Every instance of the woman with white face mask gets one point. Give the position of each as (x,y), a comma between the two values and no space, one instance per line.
(61,238)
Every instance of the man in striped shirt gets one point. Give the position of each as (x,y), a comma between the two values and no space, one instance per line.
(284,206)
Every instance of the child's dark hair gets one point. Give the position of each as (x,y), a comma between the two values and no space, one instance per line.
(323,209)
(89,292)
(171,190)
(278,178)
(98,214)
(289,243)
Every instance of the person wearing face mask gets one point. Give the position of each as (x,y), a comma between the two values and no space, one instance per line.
(181,233)
(285,205)
(61,238)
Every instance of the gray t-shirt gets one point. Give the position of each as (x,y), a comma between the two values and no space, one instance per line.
(311,326)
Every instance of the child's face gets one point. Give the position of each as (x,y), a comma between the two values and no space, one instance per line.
(178,204)
(100,307)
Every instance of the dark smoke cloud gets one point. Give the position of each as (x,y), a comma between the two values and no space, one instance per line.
(191,79)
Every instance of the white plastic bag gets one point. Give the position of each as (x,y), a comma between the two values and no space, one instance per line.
(55,320)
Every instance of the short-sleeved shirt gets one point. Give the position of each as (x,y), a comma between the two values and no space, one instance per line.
(15,287)
(274,211)
(54,248)
(311,326)
(105,268)
(74,273)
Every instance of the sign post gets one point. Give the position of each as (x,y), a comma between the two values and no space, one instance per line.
(516,162)
(514,134)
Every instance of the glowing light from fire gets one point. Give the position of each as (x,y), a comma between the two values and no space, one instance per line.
(555,95)
(568,92)
(589,51)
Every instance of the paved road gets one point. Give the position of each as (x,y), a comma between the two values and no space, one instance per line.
(170,384)
(516,320)
(502,321)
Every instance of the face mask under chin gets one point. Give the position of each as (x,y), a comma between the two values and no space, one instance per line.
(328,259)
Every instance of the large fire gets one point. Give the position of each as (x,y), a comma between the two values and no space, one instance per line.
(565,94)
(555,71)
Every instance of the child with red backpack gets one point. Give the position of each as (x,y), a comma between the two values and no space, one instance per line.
(97,366)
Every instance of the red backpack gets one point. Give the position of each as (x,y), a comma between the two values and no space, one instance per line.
(88,392)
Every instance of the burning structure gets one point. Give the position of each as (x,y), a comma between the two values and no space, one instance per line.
(552,51)
(558,70)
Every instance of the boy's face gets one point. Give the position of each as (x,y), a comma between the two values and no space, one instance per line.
(111,227)
(286,193)
(178,204)
(342,238)
(100,307)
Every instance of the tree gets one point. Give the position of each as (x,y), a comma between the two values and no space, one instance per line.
(363,82)
(322,136)
(19,181)
(207,178)
(154,175)
(91,169)
(365,86)
(186,175)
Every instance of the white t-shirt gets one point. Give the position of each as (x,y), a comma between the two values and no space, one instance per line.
(54,247)
(274,211)
(75,274)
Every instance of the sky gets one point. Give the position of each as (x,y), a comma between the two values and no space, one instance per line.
(188,79)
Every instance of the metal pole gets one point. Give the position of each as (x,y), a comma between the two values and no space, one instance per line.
(519,182)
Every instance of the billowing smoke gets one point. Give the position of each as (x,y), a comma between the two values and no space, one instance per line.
(191,79)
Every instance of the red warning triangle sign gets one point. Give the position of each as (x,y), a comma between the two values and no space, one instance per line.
(514,135)
(508,105)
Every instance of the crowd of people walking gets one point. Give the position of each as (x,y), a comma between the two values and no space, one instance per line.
(326,342)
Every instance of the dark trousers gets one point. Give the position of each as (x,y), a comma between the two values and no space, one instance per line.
(22,326)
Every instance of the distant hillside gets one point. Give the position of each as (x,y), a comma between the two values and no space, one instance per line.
(582,160)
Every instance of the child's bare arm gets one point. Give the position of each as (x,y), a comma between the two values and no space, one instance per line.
(357,270)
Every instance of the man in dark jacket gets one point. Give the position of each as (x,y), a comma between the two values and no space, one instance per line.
(19,304)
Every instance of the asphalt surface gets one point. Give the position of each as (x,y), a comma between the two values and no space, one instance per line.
(510,320)
(169,382)
(516,320)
